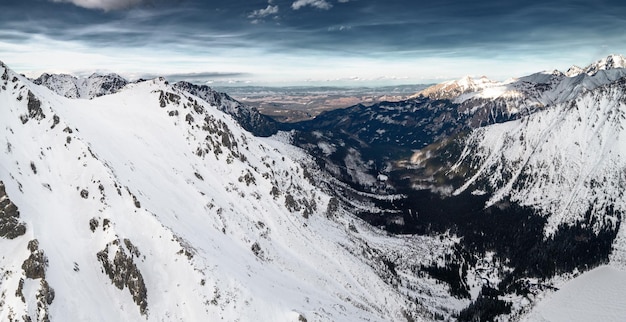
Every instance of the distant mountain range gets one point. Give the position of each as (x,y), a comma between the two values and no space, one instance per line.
(472,201)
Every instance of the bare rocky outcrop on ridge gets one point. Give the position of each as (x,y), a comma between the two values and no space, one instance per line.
(248,117)
(10,226)
(118,264)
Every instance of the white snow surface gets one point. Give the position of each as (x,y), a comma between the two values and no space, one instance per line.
(597,295)
(189,196)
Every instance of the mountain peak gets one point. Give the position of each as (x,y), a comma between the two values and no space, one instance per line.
(454,88)
(610,62)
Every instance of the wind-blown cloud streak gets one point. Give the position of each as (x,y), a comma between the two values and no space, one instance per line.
(104,4)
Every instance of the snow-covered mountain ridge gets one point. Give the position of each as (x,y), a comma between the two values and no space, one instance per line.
(547,87)
(485,100)
(98,85)
(607,63)
(152,204)
(567,160)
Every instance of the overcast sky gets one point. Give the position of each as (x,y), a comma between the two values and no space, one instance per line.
(296,42)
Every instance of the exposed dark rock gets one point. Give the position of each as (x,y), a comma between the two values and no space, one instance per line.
(123,272)
(333,207)
(248,178)
(35,265)
(45,295)
(136,202)
(55,121)
(19,292)
(10,226)
(106,223)
(189,119)
(93,224)
(291,203)
(34,107)
(258,252)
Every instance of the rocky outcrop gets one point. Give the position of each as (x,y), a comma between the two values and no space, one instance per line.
(248,117)
(34,268)
(10,226)
(117,260)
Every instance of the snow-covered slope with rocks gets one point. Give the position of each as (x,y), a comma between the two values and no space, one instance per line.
(248,117)
(567,161)
(151,204)
(98,85)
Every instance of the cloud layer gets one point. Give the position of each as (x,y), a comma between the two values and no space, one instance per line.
(320,4)
(104,4)
(262,13)
(309,39)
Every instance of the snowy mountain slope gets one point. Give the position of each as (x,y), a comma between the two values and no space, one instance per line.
(151,204)
(567,161)
(98,85)
(87,88)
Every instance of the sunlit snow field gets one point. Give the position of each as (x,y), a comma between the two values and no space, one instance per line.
(597,295)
